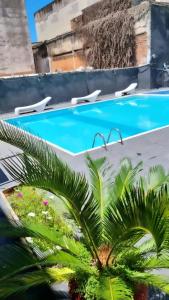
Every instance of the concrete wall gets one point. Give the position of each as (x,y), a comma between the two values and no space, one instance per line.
(55,18)
(15,47)
(63,86)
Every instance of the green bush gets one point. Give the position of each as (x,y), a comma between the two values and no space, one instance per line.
(34,205)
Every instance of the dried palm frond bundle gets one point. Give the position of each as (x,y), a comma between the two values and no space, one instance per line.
(110,41)
(107,29)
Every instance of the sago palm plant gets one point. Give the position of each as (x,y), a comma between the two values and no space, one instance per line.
(123,220)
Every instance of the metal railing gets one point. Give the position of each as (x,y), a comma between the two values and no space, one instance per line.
(118,131)
(108,139)
(102,137)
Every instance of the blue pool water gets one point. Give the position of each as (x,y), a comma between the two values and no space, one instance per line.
(74,128)
(165,92)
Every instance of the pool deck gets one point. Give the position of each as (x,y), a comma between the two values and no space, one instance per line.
(151,148)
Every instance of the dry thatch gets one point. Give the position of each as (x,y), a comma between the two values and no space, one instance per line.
(107,28)
(103,8)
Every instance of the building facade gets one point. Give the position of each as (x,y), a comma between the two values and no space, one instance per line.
(55,18)
(57,24)
(16,55)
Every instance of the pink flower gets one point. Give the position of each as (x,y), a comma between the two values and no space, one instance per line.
(45,202)
(20,195)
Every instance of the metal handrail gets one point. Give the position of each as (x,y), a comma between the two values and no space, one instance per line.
(102,137)
(118,131)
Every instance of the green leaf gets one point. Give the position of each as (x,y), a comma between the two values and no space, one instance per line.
(15,258)
(54,176)
(158,281)
(67,260)
(156,178)
(138,214)
(51,235)
(23,282)
(115,289)
(98,190)
(125,178)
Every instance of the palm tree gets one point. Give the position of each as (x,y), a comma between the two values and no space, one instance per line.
(123,220)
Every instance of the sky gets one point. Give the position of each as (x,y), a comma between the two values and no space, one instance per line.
(31,7)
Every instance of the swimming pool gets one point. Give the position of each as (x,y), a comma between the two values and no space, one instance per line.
(159,92)
(73,129)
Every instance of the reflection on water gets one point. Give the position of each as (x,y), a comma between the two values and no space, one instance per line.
(131,103)
(146,123)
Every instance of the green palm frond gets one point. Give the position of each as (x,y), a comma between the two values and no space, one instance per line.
(15,258)
(146,245)
(123,219)
(53,176)
(134,259)
(23,282)
(125,178)
(115,289)
(49,234)
(67,260)
(155,178)
(159,281)
(44,232)
(154,262)
(137,214)
(99,192)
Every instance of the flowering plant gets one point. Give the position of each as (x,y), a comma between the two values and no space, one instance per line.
(33,204)
(45,202)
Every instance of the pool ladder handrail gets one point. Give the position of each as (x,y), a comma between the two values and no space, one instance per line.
(119,133)
(102,137)
(109,136)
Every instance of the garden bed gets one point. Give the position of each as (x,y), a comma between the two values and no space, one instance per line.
(27,204)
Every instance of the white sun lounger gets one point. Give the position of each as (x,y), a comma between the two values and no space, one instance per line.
(127,91)
(40,106)
(90,98)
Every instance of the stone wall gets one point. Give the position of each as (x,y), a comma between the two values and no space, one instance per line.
(15,47)
(62,87)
